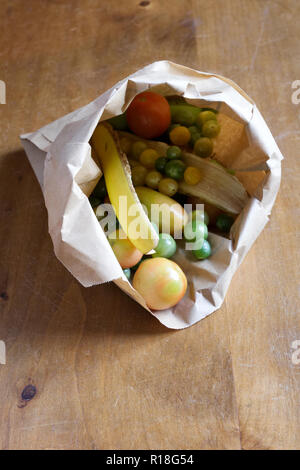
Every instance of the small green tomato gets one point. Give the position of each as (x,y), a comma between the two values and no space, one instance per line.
(194,137)
(203,147)
(200,215)
(203,252)
(173,152)
(195,230)
(211,128)
(224,222)
(175,169)
(137,148)
(153,178)
(205,116)
(160,164)
(166,246)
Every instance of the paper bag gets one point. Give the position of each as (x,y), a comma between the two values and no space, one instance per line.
(60,155)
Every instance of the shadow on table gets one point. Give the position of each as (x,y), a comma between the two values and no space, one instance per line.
(43,290)
(110,309)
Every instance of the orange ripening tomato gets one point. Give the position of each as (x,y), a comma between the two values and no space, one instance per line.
(148,115)
(161,283)
(126,253)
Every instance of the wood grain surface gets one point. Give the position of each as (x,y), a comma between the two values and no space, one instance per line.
(89,368)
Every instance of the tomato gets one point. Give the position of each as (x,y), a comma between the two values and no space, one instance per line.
(161,283)
(153,178)
(126,253)
(166,246)
(148,115)
(192,175)
(138,175)
(168,186)
(148,158)
(203,252)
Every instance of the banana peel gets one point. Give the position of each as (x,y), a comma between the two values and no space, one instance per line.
(121,192)
(170,215)
(217,187)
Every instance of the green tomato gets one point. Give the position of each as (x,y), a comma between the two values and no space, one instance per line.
(205,116)
(203,252)
(195,230)
(119,122)
(184,114)
(138,175)
(194,137)
(203,147)
(160,164)
(200,215)
(173,152)
(153,178)
(175,169)
(127,272)
(212,110)
(211,128)
(100,189)
(166,246)
(193,130)
(224,222)
(137,148)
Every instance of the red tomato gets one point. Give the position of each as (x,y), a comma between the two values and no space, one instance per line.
(149,115)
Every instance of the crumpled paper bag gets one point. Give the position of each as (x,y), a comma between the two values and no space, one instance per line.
(61,158)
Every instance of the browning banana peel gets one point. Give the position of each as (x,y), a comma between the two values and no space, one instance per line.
(217,187)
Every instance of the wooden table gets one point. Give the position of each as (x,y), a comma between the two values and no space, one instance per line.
(89,368)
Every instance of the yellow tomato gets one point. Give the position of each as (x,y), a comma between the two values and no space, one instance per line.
(180,135)
(168,186)
(192,175)
(161,282)
(153,178)
(148,158)
(137,148)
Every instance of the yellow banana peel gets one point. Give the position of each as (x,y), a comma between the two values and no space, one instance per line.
(170,215)
(121,192)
